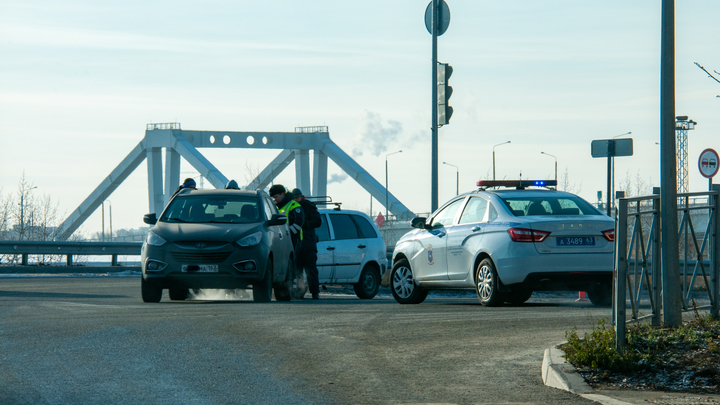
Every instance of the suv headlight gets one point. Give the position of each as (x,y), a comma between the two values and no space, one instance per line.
(154,240)
(250,240)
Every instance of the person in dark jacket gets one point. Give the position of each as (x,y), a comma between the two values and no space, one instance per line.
(291,209)
(307,259)
(188,183)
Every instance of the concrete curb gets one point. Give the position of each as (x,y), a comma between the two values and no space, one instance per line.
(558,373)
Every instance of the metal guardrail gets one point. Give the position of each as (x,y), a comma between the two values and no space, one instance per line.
(23,249)
(638,274)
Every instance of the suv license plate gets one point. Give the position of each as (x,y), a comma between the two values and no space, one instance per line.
(575,241)
(199,268)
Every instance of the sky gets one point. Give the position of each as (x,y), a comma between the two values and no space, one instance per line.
(79,81)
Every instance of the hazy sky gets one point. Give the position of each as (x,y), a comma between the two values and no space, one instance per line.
(79,80)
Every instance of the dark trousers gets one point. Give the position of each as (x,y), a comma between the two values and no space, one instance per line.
(307,259)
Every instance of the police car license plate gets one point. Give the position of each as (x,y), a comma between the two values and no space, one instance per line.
(575,241)
(199,268)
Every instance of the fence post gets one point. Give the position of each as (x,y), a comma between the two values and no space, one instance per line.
(620,274)
(656,268)
(715,257)
(69,259)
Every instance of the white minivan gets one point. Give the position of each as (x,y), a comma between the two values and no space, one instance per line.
(350,251)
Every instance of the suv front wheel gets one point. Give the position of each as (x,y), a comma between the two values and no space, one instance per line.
(402,284)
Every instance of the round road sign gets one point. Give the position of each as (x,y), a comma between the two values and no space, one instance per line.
(708,163)
(443,17)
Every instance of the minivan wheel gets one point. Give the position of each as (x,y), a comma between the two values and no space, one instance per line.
(369,283)
(402,284)
(486,284)
(262,289)
(150,291)
(178,294)
(282,291)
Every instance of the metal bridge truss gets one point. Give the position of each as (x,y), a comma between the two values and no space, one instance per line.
(638,275)
(176,143)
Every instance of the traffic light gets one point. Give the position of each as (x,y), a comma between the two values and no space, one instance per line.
(444,71)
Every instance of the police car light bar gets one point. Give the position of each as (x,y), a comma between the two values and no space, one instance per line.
(517,183)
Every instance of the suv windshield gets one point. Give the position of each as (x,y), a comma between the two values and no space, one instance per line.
(549,205)
(215,209)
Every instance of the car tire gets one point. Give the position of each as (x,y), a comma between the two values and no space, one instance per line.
(369,283)
(402,284)
(601,295)
(178,294)
(282,291)
(262,289)
(150,291)
(487,283)
(518,297)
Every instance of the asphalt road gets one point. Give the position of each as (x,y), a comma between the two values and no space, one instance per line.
(66,340)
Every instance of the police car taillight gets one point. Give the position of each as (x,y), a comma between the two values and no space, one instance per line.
(527,235)
(609,235)
(516,183)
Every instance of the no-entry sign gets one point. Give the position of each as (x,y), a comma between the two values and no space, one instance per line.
(708,163)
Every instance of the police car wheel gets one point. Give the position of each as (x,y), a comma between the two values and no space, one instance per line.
(486,284)
(402,285)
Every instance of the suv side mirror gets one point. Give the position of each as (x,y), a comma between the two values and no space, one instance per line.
(277,219)
(150,219)
(419,223)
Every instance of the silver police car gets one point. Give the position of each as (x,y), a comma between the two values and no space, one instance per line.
(506,240)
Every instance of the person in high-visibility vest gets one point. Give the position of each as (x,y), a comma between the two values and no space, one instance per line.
(292,209)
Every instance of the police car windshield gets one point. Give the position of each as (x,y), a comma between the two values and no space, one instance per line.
(212,209)
(549,205)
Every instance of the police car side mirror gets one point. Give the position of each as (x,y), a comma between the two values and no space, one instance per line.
(277,219)
(418,222)
(150,219)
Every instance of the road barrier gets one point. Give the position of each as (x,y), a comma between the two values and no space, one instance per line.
(22,250)
(638,275)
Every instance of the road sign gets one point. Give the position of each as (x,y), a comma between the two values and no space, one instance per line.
(612,147)
(708,163)
(443,17)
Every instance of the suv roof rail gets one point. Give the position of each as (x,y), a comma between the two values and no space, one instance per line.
(518,184)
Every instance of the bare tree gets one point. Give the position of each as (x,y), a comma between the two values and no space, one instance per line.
(25,216)
(565,185)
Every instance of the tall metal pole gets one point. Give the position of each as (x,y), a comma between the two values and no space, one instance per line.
(457,178)
(609,187)
(670,257)
(386,182)
(434,152)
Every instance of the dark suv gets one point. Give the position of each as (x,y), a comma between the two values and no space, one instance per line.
(223,239)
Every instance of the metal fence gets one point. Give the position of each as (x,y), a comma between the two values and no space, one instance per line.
(48,256)
(638,274)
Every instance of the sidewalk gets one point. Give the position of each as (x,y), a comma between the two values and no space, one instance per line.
(558,373)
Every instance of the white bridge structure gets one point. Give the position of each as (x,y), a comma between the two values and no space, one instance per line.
(170,139)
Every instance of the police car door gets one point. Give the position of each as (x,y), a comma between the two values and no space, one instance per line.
(431,261)
(463,239)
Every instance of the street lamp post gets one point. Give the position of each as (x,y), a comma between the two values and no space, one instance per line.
(555,157)
(386,182)
(457,178)
(494,156)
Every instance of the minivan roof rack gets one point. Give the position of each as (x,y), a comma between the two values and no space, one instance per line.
(324,200)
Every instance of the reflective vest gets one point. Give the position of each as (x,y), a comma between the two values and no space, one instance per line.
(287,209)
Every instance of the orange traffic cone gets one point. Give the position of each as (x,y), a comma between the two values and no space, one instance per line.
(581,296)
